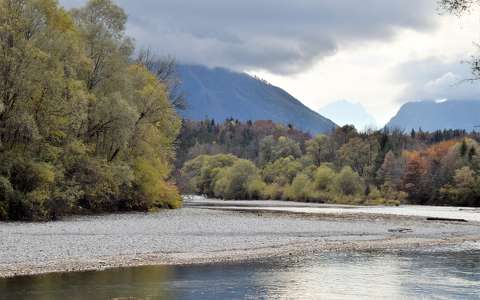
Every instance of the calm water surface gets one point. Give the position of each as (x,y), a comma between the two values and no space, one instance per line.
(439,274)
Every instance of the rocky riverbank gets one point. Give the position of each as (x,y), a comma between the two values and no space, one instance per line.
(199,234)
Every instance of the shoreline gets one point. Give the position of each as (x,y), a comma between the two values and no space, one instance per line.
(334,233)
(233,256)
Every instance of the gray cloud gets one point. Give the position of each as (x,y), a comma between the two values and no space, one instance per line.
(435,79)
(281,36)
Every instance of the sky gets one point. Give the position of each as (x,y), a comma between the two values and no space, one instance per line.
(374,52)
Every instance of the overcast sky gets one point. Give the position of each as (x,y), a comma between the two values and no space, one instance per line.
(376,52)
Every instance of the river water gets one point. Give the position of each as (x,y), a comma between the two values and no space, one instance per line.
(434,274)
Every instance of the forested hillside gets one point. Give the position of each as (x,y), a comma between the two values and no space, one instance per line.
(239,161)
(221,94)
(83,126)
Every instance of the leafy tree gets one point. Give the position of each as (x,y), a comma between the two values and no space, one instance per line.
(391,171)
(272,149)
(165,69)
(202,171)
(82,128)
(413,178)
(320,149)
(238,181)
(348,183)
(300,189)
(324,178)
(359,154)
(282,171)
(465,189)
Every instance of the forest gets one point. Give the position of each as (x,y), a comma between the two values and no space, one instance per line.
(85,126)
(90,124)
(262,160)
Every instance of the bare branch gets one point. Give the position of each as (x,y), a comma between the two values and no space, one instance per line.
(165,69)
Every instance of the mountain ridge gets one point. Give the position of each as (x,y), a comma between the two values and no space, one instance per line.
(219,94)
(436,115)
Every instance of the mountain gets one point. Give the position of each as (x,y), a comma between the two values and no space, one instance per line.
(344,112)
(437,115)
(220,94)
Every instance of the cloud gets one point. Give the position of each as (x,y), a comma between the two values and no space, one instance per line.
(435,78)
(280,36)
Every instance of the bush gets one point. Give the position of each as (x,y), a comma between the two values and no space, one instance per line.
(151,190)
(300,189)
(322,197)
(348,183)
(273,192)
(324,177)
(26,194)
(233,182)
(6,193)
(201,172)
(256,188)
(282,171)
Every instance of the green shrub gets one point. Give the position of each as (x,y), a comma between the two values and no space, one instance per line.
(6,193)
(233,182)
(201,172)
(300,189)
(282,171)
(256,188)
(273,192)
(151,191)
(348,183)
(324,177)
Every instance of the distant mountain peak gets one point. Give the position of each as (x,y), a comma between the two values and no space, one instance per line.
(344,112)
(437,115)
(219,93)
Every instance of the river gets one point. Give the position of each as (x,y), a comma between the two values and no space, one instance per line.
(433,274)
(408,257)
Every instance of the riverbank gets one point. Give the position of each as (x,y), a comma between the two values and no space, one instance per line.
(203,234)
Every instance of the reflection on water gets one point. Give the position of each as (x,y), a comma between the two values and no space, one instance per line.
(424,275)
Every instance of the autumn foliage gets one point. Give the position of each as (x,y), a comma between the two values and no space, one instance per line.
(83,126)
(377,167)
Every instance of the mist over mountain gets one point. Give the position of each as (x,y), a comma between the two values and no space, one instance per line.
(438,115)
(220,94)
(344,112)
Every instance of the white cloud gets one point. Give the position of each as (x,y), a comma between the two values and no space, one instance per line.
(280,36)
(376,52)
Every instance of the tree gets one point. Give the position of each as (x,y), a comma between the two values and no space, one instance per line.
(359,154)
(235,182)
(300,189)
(348,182)
(413,180)
(320,149)
(272,149)
(282,171)
(390,173)
(201,172)
(166,71)
(81,126)
(324,177)
(465,189)
(461,7)
(458,6)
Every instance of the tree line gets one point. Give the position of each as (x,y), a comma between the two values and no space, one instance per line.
(88,124)
(236,160)
(85,126)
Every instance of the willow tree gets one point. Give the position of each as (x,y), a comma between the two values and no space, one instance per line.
(82,126)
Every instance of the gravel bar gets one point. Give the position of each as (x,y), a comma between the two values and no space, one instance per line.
(205,235)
